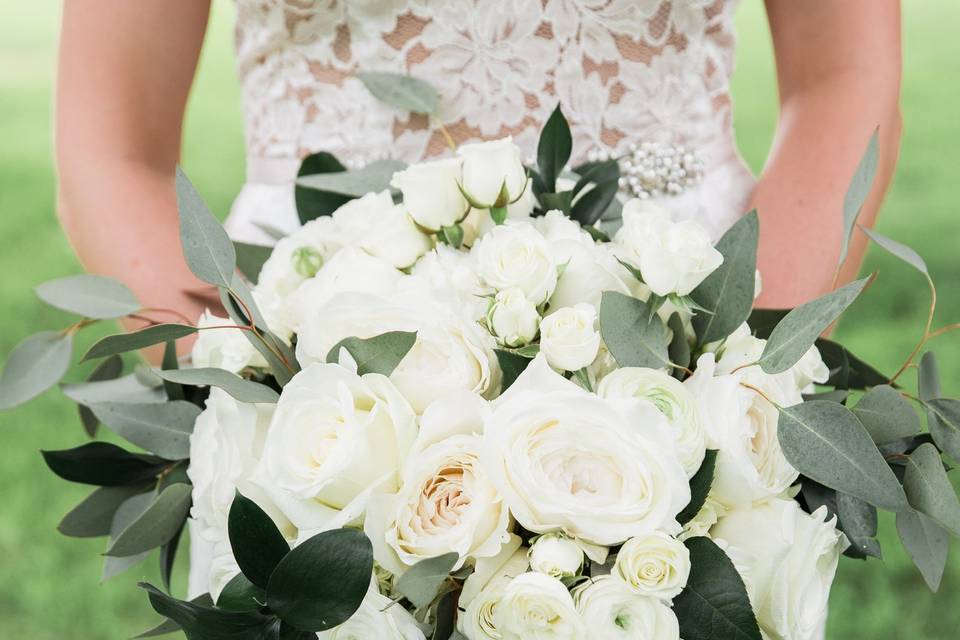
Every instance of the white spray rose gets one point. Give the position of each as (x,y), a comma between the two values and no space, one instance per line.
(223,348)
(810,369)
(483,588)
(431,194)
(673,257)
(335,437)
(378,617)
(788,560)
(564,459)
(536,606)
(568,337)
(513,318)
(479,222)
(611,611)
(490,166)
(449,274)
(382,229)
(556,555)
(672,399)
(654,565)
(517,255)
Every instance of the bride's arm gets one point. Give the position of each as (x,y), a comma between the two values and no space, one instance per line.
(125,70)
(838,66)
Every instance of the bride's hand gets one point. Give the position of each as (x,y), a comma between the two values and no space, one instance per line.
(838,64)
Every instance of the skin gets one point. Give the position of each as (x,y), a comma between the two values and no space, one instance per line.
(125,74)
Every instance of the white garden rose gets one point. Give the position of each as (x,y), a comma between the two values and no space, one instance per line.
(611,611)
(535,606)
(223,348)
(450,276)
(490,166)
(512,318)
(566,460)
(672,399)
(556,555)
(810,369)
(788,559)
(222,569)
(483,588)
(431,194)
(516,255)
(654,564)
(382,229)
(335,437)
(673,257)
(378,617)
(451,353)
(569,338)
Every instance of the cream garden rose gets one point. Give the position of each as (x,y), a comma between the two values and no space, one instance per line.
(654,565)
(516,256)
(484,587)
(569,338)
(556,555)
(490,166)
(612,611)
(513,318)
(431,194)
(535,605)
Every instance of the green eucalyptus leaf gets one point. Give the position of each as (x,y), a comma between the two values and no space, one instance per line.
(897,249)
(929,490)
(250,259)
(89,296)
(162,428)
(93,516)
(800,328)
(241,595)
(207,248)
(553,149)
(927,544)
(35,365)
(139,339)
(200,622)
(887,415)
(511,366)
(401,91)
(421,582)
(174,391)
(156,525)
(103,464)
(943,418)
(728,291)
(858,521)
(257,544)
(379,354)
(634,336)
(168,555)
(312,203)
(679,348)
(928,377)
(824,441)
(858,191)
(126,514)
(107,370)
(242,390)
(374,177)
(129,388)
(700,485)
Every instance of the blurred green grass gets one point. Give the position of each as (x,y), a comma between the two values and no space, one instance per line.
(49,584)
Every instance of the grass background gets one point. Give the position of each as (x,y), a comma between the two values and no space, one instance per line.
(49,585)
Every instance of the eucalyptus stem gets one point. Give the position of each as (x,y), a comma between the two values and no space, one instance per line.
(926,332)
(446,134)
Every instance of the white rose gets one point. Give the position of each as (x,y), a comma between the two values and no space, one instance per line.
(810,369)
(654,564)
(490,166)
(335,437)
(673,257)
(431,194)
(483,588)
(700,524)
(610,611)
(788,560)
(517,255)
(568,337)
(556,555)
(446,502)
(513,318)
(448,273)
(674,401)
(223,348)
(378,617)
(223,568)
(564,459)
(451,353)
(535,605)
(382,229)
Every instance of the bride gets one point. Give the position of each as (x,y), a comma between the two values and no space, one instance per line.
(644,75)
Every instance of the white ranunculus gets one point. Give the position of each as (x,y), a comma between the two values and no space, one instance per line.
(223,348)
(788,559)
(446,502)
(517,255)
(535,606)
(335,437)
(451,353)
(569,338)
(488,166)
(450,275)
(556,555)
(431,194)
(674,401)
(611,611)
(673,257)
(382,229)
(566,460)
(484,587)
(513,318)
(378,617)
(654,565)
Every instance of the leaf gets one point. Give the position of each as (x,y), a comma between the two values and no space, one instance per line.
(257,544)
(129,511)
(156,525)
(93,516)
(928,377)
(800,328)
(129,388)
(927,544)
(168,625)
(825,441)
(561,201)
(714,605)
(634,337)
(35,365)
(374,177)
(206,246)
(422,581)
(103,464)
(847,371)
(108,369)
(929,490)
(887,415)
(312,203)
(241,595)
(139,339)
(679,348)
(401,91)
(511,366)
(201,622)
(379,354)
(174,391)
(321,583)
(267,344)
(590,206)
(728,291)
(898,250)
(858,191)
(89,296)
(168,554)
(250,258)
(162,428)
(700,485)
(858,520)
(242,390)
(943,418)
(446,617)
(553,149)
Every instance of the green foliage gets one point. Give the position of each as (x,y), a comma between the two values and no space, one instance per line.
(634,334)
(401,91)
(887,415)
(858,520)
(420,584)
(257,544)
(89,296)
(379,354)
(943,418)
(135,340)
(553,149)
(700,485)
(162,428)
(929,490)
(92,517)
(858,191)
(250,259)
(207,248)
(241,595)
(313,203)
(200,622)
(241,389)
(35,365)
(374,177)
(103,464)
(591,203)
(157,524)
(511,366)
(898,249)
(927,544)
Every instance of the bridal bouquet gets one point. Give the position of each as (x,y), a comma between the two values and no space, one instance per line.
(472,399)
